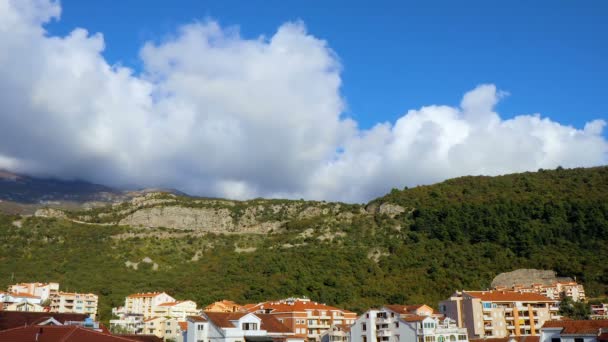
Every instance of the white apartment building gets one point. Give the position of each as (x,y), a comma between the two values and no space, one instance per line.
(498,314)
(144,303)
(390,324)
(179,310)
(575,331)
(71,302)
(42,290)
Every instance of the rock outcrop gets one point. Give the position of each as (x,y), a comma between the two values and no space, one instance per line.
(526,277)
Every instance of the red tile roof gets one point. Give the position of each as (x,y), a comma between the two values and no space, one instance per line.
(507,339)
(142,338)
(24,295)
(578,327)
(144,295)
(508,296)
(414,318)
(273,325)
(12,319)
(222,319)
(58,333)
(183,325)
(297,305)
(197,319)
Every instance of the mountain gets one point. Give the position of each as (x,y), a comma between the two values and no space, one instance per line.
(411,246)
(23,194)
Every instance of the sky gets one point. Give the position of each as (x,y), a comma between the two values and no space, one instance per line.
(300,99)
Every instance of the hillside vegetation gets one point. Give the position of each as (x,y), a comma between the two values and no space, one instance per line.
(411,246)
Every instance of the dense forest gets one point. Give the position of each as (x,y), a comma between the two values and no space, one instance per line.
(458,234)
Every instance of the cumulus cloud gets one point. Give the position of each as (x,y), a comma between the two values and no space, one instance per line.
(215,114)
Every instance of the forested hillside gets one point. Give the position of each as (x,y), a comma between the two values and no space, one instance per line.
(453,235)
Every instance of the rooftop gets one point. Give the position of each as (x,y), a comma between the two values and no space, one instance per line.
(508,296)
(578,326)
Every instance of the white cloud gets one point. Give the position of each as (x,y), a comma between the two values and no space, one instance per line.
(219,115)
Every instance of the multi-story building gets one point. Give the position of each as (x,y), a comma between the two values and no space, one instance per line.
(400,323)
(599,311)
(144,303)
(179,310)
(224,306)
(238,327)
(575,331)
(70,302)
(307,319)
(336,333)
(42,290)
(10,298)
(499,313)
(556,290)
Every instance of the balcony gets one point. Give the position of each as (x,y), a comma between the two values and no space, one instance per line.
(384,333)
(383,320)
(319,325)
(487,318)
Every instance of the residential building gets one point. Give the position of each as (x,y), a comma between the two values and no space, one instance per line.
(499,313)
(402,323)
(307,319)
(556,290)
(24,306)
(336,333)
(144,303)
(599,311)
(163,327)
(238,327)
(575,331)
(130,323)
(20,297)
(224,306)
(178,309)
(42,290)
(71,302)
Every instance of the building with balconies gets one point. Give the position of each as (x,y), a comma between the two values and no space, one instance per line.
(307,319)
(398,323)
(494,314)
(575,331)
(71,302)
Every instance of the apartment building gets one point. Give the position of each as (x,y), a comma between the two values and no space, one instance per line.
(21,297)
(42,290)
(70,302)
(399,323)
(307,319)
(224,306)
(575,331)
(164,327)
(336,333)
(179,309)
(555,291)
(495,313)
(144,303)
(237,327)
(599,311)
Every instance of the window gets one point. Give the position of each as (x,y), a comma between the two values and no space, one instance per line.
(452,338)
(487,305)
(167,331)
(578,339)
(441,339)
(200,327)
(462,337)
(250,326)
(363,326)
(429,339)
(555,339)
(396,324)
(429,325)
(311,322)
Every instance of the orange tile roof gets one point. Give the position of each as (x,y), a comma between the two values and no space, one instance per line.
(171,303)
(414,318)
(508,296)
(577,326)
(183,325)
(298,305)
(273,325)
(144,295)
(197,318)
(23,294)
(222,319)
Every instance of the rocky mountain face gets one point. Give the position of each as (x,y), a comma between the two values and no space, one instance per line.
(527,277)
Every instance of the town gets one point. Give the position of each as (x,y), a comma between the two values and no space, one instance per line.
(517,313)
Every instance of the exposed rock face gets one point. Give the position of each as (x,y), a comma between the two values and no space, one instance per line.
(215,220)
(388,209)
(526,277)
(49,212)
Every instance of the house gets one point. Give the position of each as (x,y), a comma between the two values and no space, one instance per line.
(406,324)
(71,302)
(24,306)
(336,333)
(237,327)
(599,311)
(556,290)
(498,313)
(13,319)
(575,331)
(224,306)
(42,290)
(307,319)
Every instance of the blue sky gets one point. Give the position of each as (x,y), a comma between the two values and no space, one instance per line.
(551,56)
(172,97)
